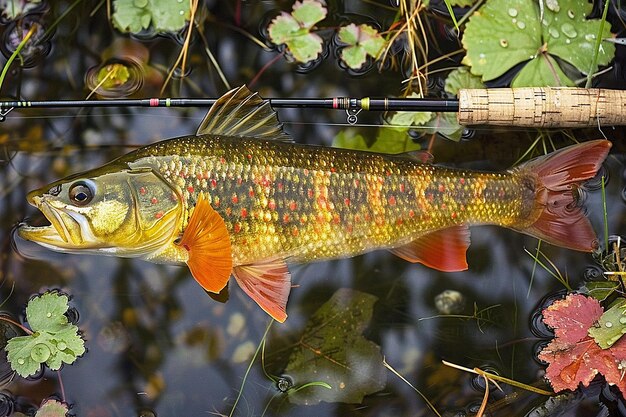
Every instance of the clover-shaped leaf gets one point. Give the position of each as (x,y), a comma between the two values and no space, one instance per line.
(164,15)
(504,33)
(361,41)
(294,30)
(54,340)
(611,325)
(52,408)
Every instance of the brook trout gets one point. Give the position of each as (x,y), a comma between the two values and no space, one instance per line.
(239,198)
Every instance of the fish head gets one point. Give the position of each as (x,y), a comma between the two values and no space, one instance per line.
(126,212)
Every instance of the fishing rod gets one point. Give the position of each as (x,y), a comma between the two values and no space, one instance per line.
(534,107)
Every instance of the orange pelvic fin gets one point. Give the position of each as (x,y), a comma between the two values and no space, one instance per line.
(268,283)
(443,250)
(561,221)
(208,243)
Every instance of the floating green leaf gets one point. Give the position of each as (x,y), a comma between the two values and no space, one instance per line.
(459,78)
(112,75)
(504,33)
(601,290)
(52,408)
(362,40)
(15,8)
(294,30)
(54,340)
(333,352)
(390,140)
(611,326)
(136,15)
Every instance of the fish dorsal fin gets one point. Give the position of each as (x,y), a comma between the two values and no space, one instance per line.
(443,250)
(242,113)
(268,283)
(208,243)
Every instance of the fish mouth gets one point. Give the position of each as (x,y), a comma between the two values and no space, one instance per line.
(63,232)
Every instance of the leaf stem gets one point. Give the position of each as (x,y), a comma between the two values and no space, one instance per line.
(15,54)
(594,61)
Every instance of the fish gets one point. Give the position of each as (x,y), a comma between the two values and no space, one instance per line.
(240,198)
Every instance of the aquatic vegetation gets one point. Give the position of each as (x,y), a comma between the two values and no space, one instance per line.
(12,9)
(294,29)
(505,33)
(576,355)
(162,15)
(52,408)
(333,350)
(361,41)
(53,340)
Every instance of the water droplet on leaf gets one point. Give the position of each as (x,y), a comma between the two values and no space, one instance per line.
(512,12)
(48,314)
(20,361)
(504,43)
(521,25)
(40,353)
(554,32)
(590,37)
(569,30)
(608,324)
(571,14)
(61,346)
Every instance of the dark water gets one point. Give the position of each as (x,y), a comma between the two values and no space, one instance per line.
(158,345)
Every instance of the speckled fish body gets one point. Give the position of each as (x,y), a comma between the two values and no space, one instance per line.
(239,198)
(305,203)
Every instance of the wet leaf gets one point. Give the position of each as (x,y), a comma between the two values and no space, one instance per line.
(611,325)
(572,317)
(333,351)
(15,8)
(112,75)
(52,408)
(446,124)
(410,118)
(601,290)
(362,40)
(390,140)
(163,15)
(573,356)
(54,340)
(294,30)
(504,33)
(459,78)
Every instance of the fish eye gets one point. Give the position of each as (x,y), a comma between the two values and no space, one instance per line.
(81,193)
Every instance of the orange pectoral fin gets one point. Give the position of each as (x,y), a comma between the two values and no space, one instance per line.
(268,283)
(443,250)
(208,243)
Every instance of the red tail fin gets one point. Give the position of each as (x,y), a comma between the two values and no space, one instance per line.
(561,221)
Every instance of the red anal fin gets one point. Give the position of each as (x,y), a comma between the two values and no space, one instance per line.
(443,250)
(268,283)
(207,240)
(561,221)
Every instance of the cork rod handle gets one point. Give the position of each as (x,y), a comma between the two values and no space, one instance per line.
(542,107)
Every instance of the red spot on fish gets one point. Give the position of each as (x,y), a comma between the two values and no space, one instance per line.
(213,183)
(271,205)
(443,206)
(368,217)
(237,227)
(199,176)
(462,181)
(235,199)
(357,183)
(154,200)
(239,181)
(222,160)
(280,186)
(411,213)
(159,214)
(401,187)
(388,173)
(309,193)
(430,197)
(346,201)
(293,205)
(349,228)
(336,219)
(321,201)
(302,219)
(306,172)
(392,201)
(399,222)
(249,156)
(441,188)
(295,231)
(251,192)
(453,215)
(229,211)
(357,218)
(190,189)
(333,169)
(142,191)
(244,213)
(216,202)
(286,218)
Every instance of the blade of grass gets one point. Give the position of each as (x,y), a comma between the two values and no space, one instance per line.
(15,54)
(594,61)
(606,221)
(396,373)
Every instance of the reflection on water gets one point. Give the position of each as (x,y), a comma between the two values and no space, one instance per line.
(158,345)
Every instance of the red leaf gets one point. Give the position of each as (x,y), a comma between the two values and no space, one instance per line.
(574,357)
(572,317)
